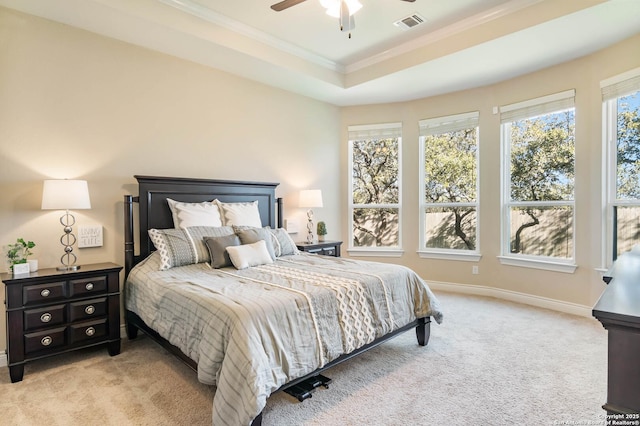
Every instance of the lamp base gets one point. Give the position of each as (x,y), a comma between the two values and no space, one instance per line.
(310,227)
(68,268)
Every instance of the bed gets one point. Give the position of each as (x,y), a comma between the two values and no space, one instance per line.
(252,331)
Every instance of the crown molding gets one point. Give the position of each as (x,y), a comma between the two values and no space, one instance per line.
(443,33)
(209,15)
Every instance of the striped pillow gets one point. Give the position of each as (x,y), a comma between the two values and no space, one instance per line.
(283,244)
(179,247)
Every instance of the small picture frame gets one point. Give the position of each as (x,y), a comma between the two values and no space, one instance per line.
(20,268)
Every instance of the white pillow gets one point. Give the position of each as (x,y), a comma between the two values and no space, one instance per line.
(240,214)
(248,255)
(194,214)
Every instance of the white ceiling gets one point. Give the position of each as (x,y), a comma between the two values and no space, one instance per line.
(463,43)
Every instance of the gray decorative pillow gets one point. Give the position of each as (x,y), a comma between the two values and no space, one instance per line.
(179,247)
(283,244)
(249,235)
(218,249)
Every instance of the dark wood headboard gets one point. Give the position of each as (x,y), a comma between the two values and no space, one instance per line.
(153,211)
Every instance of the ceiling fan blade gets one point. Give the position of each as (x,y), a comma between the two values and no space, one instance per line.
(410,1)
(285,4)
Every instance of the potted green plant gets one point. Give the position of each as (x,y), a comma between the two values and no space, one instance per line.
(18,252)
(321,230)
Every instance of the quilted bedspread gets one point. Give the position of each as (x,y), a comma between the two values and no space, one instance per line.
(253,330)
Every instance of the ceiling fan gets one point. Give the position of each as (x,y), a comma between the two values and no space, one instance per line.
(341,9)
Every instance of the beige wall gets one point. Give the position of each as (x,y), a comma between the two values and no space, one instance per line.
(77,105)
(584,75)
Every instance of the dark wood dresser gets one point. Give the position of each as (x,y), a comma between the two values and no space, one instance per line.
(619,312)
(50,312)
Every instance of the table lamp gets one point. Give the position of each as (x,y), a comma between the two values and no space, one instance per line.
(310,198)
(66,194)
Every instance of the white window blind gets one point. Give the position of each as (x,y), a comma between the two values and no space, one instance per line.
(375,131)
(450,123)
(539,106)
(621,85)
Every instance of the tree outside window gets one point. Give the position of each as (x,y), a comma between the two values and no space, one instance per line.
(449,202)
(621,106)
(539,170)
(375,188)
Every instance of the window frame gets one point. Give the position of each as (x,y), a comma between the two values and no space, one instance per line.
(531,108)
(374,131)
(447,124)
(612,89)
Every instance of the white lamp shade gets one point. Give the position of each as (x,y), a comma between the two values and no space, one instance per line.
(65,194)
(311,198)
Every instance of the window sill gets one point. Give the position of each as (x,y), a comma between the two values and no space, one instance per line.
(567,267)
(375,252)
(461,255)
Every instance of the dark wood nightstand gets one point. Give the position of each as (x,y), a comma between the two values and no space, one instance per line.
(50,312)
(326,248)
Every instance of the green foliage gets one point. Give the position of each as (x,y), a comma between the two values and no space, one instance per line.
(542,164)
(375,182)
(375,171)
(450,167)
(19,251)
(321,228)
(628,149)
(450,176)
(542,158)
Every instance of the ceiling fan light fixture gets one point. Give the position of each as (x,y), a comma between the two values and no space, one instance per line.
(333,6)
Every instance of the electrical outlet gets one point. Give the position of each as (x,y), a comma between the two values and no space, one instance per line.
(474,269)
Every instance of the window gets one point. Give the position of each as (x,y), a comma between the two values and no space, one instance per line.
(538,169)
(374,195)
(449,187)
(621,130)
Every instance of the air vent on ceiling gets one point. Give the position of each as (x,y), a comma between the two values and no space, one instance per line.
(409,21)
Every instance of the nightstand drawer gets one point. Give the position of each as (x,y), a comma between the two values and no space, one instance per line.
(43,317)
(42,293)
(87,330)
(87,286)
(87,309)
(329,251)
(44,340)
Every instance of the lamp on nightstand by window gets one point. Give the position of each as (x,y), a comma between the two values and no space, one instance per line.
(310,198)
(66,194)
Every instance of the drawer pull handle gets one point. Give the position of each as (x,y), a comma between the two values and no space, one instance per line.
(90,331)
(46,340)
(89,286)
(45,292)
(89,309)
(46,317)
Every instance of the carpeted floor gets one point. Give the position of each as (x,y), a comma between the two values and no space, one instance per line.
(491,362)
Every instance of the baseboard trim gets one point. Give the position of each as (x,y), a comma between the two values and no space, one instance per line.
(514,296)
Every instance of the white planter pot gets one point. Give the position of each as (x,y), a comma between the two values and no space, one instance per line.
(20,268)
(33,265)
